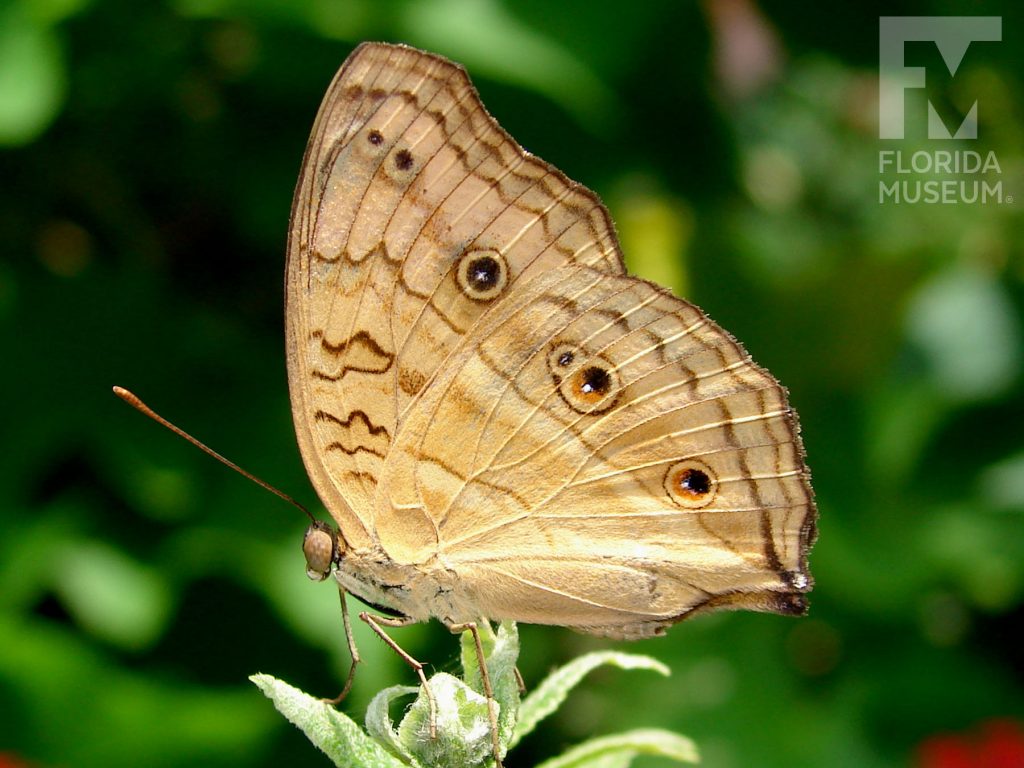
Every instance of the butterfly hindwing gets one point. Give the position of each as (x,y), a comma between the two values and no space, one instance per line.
(599,454)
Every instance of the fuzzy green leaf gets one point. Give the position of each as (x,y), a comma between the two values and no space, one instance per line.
(501,651)
(378,721)
(341,739)
(550,694)
(619,750)
(463,736)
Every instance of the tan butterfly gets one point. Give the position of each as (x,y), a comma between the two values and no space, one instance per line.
(502,422)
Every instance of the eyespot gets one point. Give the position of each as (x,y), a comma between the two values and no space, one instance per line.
(482,274)
(397,162)
(561,358)
(375,137)
(586,385)
(691,484)
(403,160)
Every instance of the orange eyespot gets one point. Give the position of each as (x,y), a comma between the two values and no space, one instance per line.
(691,484)
(591,384)
(586,384)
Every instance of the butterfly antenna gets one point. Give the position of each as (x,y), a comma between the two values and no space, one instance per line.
(140,406)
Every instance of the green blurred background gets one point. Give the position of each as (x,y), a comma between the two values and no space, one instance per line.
(148,153)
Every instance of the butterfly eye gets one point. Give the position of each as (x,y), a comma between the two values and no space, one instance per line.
(482,274)
(691,484)
(319,545)
(590,387)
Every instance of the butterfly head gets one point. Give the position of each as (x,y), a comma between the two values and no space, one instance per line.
(323,548)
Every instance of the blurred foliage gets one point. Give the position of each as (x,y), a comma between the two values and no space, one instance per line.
(148,152)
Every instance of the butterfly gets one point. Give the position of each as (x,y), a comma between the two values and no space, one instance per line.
(502,422)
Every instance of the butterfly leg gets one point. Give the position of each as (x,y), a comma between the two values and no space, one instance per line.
(485,678)
(375,623)
(520,683)
(352,650)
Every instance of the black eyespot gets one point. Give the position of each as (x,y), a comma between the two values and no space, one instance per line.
(561,356)
(594,381)
(482,274)
(690,484)
(695,482)
(376,137)
(403,160)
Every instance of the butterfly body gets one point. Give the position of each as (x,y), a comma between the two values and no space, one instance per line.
(501,421)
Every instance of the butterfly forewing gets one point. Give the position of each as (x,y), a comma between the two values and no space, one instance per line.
(415,212)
